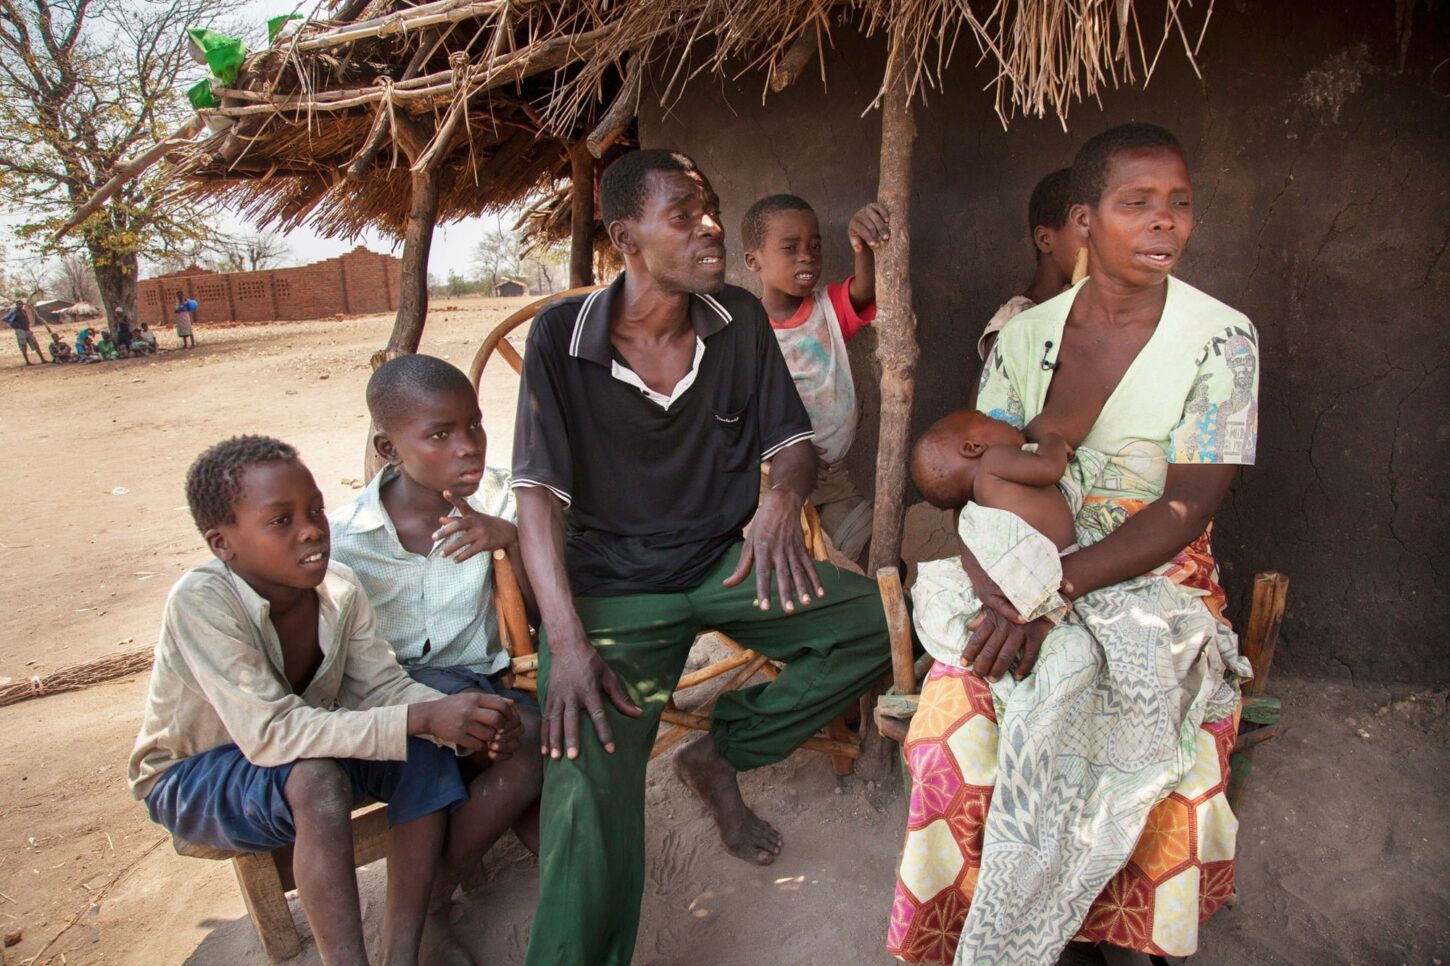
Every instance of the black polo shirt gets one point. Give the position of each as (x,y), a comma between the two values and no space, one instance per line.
(656,488)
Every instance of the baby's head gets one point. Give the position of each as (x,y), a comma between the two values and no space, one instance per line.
(782,241)
(428,424)
(261,512)
(945,458)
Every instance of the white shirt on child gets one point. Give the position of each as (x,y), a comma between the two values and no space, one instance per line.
(432,610)
(813,342)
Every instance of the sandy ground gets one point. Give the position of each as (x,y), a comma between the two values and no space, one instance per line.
(1343,845)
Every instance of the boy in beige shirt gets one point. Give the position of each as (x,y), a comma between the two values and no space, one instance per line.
(275,708)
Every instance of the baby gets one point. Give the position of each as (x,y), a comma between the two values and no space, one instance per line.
(969,457)
(1018,504)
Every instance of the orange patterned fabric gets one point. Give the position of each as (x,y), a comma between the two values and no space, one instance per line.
(1180,873)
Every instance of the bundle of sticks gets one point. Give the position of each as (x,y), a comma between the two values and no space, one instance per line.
(78,676)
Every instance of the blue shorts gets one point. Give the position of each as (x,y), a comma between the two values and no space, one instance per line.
(451,680)
(219,798)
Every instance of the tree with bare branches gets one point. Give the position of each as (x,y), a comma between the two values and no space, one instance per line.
(84,84)
(73,280)
(252,253)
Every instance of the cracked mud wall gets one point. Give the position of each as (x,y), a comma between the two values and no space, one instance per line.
(1322,173)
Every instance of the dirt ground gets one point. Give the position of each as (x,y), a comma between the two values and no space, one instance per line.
(1343,841)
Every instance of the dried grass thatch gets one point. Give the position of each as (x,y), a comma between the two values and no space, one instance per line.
(327,123)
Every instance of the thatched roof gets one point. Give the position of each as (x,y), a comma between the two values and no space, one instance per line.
(491,92)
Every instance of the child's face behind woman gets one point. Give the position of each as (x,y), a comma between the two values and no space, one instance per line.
(1139,227)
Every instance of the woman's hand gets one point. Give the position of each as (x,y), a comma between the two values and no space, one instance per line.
(997,642)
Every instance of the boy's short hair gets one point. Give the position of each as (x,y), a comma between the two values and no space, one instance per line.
(752,226)
(1090,167)
(215,478)
(625,183)
(1049,202)
(403,379)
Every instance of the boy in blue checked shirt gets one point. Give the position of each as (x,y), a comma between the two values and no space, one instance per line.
(275,708)
(421,538)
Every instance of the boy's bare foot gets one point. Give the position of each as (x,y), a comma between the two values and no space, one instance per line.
(440,946)
(745,834)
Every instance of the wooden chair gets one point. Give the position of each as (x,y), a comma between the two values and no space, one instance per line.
(1258,712)
(837,741)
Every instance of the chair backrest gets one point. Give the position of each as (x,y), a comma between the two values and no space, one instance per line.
(497,339)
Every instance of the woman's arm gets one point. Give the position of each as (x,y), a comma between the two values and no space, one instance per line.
(1153,535)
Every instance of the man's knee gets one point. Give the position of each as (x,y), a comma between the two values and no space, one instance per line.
(320,789)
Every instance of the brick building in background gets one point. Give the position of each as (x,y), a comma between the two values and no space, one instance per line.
(354,284)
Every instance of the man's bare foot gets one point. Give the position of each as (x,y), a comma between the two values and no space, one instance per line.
(745,834)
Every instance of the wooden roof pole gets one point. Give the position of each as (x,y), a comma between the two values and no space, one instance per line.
(896,349)
(581,214)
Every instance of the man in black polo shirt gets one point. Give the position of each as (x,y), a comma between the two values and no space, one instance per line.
(645,412)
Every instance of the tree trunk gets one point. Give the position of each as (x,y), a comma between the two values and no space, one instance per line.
(896,349)
(413,290)
(116,281)
(581,215)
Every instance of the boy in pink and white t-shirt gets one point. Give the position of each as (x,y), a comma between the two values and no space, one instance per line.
(813,322)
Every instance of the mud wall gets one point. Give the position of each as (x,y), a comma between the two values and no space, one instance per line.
(1319,140)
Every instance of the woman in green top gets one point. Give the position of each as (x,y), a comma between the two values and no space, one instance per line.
(1163,379)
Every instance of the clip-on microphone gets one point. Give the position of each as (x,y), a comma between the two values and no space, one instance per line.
(1047,366)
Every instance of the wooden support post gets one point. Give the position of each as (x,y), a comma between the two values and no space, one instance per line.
(266,900)
(1271,591)
(581,215)
(896,348)
(796,58)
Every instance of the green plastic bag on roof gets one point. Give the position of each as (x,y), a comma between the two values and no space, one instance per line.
(201,96)
(275,24)
(223,54)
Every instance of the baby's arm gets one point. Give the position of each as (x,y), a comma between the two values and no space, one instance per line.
(1043,468)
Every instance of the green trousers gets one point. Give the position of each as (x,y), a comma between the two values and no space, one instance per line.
(592,851)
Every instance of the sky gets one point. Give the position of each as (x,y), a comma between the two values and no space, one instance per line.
(453,244)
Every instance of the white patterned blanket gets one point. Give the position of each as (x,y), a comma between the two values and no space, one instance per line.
(1101,730)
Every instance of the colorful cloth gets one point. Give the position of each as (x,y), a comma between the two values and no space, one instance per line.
(813,342)
(1110,723)
(1180,873)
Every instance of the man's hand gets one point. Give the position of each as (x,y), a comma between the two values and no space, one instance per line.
(472,532)
(775,543)
(469,720)
(579,680)
(869,227)
(996,642)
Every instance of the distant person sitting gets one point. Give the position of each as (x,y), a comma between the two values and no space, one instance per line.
(147,338)
(21,320)
(1057,245)
(86,346)
(60,351)
(185,316)
(106,347)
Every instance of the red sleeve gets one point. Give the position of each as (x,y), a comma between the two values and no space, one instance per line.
(851,320)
